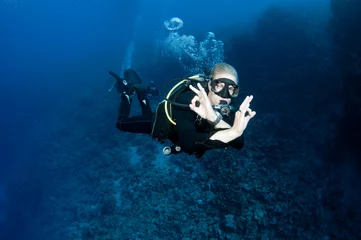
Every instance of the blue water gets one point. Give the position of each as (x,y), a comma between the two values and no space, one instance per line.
(66,172)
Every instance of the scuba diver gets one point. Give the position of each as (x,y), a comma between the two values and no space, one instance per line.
(195,116)
(152,91)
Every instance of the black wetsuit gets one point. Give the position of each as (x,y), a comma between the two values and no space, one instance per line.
(136,124)
(191,132)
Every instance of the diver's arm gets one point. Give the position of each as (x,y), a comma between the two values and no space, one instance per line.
(189,139)
(222,124)
(237,142)
(225,136)
(192,141)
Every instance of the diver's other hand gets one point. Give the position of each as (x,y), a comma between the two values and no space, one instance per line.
(201,104)
(241,119)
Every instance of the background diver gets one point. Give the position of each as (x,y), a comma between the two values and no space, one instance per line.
(195,122)
(152,91)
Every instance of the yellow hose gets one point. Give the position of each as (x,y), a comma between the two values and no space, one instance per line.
(170,93)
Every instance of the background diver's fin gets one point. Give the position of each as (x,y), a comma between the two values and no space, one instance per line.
(132,76)
(114,75)
(118,83)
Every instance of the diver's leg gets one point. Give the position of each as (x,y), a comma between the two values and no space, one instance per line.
(124,107)
(136,124)
(125,103)
(144,102)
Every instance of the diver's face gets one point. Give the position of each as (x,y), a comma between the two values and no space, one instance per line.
(213,97)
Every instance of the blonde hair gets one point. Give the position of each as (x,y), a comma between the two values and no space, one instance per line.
(220,68)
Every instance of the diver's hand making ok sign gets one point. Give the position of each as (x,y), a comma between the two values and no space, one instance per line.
(201,104)
(241,118)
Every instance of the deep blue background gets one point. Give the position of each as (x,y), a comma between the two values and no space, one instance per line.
(53,52)
(49,50)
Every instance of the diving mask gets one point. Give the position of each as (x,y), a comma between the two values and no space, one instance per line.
(224,87)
